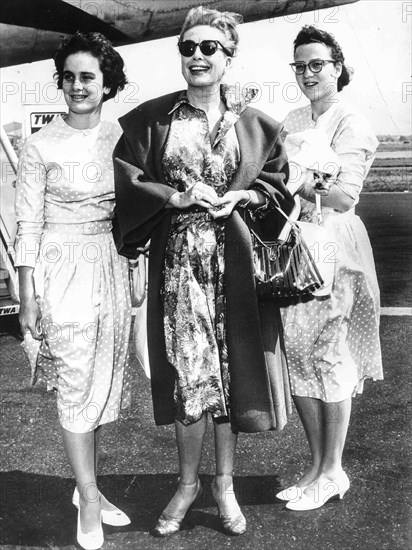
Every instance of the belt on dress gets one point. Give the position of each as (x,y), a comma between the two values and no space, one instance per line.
(86,228)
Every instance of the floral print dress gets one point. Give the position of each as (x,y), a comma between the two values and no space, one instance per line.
(194,285)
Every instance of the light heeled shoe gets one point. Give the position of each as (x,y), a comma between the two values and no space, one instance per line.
(292,493)
(92,540)
(168,524)
(115,518)
(317,495)
(233,521)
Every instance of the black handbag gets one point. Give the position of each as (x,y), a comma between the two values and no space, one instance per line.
(284,269)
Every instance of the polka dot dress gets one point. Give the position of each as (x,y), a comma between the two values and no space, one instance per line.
(332,343)
(64,206)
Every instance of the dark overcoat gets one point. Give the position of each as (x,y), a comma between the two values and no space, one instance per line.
(259,386)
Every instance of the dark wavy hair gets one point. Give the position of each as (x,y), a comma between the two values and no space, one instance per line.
(224,21)
(110,62)
(310,34)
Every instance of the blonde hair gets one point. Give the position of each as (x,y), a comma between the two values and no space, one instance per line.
(224,21)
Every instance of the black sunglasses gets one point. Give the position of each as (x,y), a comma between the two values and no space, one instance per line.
(207,47)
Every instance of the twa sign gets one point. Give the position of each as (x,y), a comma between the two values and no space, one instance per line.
(38,120)
(37,116)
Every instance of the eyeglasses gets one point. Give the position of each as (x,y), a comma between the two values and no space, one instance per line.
(207,47)
(315,65)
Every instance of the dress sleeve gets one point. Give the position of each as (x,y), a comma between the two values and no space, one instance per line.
(286,125)
(140,200)
(355,147)
(29,205)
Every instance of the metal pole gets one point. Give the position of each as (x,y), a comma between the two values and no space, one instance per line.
(8,149)
(9,275)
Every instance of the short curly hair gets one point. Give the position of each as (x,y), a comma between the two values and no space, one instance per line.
(310,34)
(110,62)
(224,21)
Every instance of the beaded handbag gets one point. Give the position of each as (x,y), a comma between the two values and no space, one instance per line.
(284,269)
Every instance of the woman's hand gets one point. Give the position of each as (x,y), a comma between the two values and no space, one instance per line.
(198,194)
(29,313)
(29,317)
(332,195)
(250,198)
(227,203)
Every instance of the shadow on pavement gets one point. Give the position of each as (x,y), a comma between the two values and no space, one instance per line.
(138,462)
(46,498)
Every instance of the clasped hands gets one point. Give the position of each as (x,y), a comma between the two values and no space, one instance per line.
(206,197)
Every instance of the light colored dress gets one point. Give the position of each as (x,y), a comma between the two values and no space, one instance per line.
(64,208)
(332,344)
(193,292)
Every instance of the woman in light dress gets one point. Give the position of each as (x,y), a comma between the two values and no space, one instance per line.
(74,289)
(332,343)
(185,166)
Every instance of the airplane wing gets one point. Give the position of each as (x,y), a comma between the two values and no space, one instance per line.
(31,29)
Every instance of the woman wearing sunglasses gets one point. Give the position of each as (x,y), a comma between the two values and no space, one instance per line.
(186,166)
(332,343)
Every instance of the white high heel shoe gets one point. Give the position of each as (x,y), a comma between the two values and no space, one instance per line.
(291,494)
(92,540)
(316,495)
(115,517)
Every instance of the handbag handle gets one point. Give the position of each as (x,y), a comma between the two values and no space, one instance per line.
(318,200)
(288,219)
(269,198)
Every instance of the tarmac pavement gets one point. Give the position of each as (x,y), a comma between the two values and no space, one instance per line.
(138,466)
(138,471)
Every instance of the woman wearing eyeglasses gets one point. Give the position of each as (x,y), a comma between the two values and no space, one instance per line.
(332,343)
(186,164)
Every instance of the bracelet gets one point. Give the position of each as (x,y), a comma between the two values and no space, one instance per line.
(263,206)
(245,204)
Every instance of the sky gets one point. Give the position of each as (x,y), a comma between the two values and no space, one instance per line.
(374,36)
